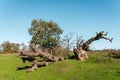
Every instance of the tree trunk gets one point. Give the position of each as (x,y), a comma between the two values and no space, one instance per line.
(100,35)
(30,56)
(37,64)
(82,48)
(80,54)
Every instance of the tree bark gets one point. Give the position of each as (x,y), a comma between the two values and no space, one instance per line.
(80,54)
(100,35)
(37,64)
(30,56)
(82,48)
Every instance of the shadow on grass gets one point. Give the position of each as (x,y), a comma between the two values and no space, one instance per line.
(22,68)
(118,73)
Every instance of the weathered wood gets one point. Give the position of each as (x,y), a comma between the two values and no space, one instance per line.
(26,54)
(82,48)
(37,64)
(31,57)
(100,35)
(80,54)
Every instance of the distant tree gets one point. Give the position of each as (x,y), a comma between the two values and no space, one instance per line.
(1,48)
(15,47)
(67,44)
(67,41)
(8,47)
(79,40)
(45,34)
(23,46)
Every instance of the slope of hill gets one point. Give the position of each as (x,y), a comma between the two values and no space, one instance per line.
(97,67)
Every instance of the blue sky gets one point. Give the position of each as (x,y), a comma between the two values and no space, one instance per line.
(82,17)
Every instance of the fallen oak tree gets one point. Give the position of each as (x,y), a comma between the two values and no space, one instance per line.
(31,57)
(82,48)
(47,59)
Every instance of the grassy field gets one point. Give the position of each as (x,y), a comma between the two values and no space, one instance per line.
(97,67)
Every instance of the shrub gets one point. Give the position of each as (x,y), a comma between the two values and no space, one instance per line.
(59,51)
(114,53)
(8,47)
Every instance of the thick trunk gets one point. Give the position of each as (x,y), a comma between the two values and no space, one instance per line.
(80,54)
(37,64)
(30,56)
(82,48)
(100,35)
(41,54)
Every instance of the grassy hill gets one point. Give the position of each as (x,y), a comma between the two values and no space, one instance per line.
(97,67)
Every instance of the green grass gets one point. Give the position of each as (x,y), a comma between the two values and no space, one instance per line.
(97,67)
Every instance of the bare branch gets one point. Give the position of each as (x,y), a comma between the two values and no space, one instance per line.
(100,35)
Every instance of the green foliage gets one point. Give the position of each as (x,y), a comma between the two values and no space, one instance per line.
(45,34)
(63,70)
(8,47)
